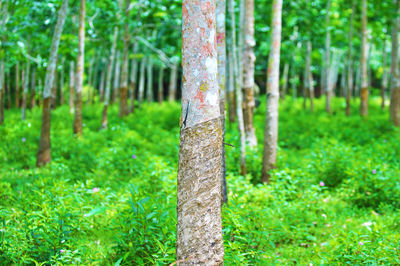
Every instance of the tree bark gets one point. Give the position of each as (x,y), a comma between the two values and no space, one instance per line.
(1,92)
(44,156)
(309,76)
(271,122)
(199,229)
(328,88)
(161,85)
(249,59)
(71,86)
(104,120)
(231,84)
(172,83)
(133,78)
(61,81)
(33,88)
(26,91)
(116,77)
(17,96)
(150,94)
(79,71)
(350,71)
(142,80)
(285,81)
(364,68)
(384,84)
(394,70)
(123,97)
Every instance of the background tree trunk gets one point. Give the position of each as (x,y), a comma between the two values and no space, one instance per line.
(309,76)
(17,96)
(44,156)
(327,73)
(133,77)
(116,77)
(142,80)
(161,85)
(384,84)
(271,122)
(33,88)
(350,71)
(285,81)
(172,83)
(71,86)
(26,91)
(1,92)
(199,230)
(61,82)
(394,71)
(79,71)
(123,97)
(364,68)
(150,96)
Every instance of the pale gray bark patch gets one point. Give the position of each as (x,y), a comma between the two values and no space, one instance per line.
(142,80)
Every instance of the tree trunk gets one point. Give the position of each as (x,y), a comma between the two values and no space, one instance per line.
(394,70)
(61,81)
(150,97)
(285,81)
(141,80)
(364,69)
(123,97)
(116,77)
(309,76)
(1,92)
(248,75)
(328,88)
(233,53)
(199,229)
(230,85)
(71,86)
(89,80)
(172,83)
(350,72)
(44,156)
(161,85)
(271,122)
(33,88)
(221,50)
(79,71)
(26,91)
(9,99)
(133,75)
(17,89)
(384,84)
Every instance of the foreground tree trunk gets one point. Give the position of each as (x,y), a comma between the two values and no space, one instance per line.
(221,49)
(249,59)
(364,69)
(327,83)
(104,120)
(44,155)
(394,70)
(79,71)
(350,71)
(123,93)
(26,91)
(71,86)
(199,229)
(271,122)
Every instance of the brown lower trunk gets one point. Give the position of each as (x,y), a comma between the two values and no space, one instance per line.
(364,101)
(78,114)
(395,106)
(123,96)
(44,155)
(248,112)
(104,118)
(232,106)
(312,100)
(133,91)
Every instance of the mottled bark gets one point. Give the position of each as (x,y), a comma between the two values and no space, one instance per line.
(43,156)
(285,81)
(238,85)
(150,94)
(221,50)
(271,122)
(327,82)
(364,68)
(161,85)
(249,59)
(141,80)
(394,70)
(350,71)
(172,83)
(123,97)
(26,91)
(71,86)
(33,88)
(199,229)
(104,120)
(79,71)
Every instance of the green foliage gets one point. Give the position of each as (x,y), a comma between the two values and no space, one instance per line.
(110,196)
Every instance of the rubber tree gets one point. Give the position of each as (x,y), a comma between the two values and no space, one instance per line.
(160,94)
(199,229)
(123,93)
(394,70)
(384,84)
(2,92)
(350,72)
(133,79)
(44,153)
(364,68)
(25,91)
(327,69)
(71,86)
(271,122)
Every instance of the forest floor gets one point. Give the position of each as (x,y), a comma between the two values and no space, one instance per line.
(110,196)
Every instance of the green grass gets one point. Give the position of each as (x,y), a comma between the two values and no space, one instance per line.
(97,204)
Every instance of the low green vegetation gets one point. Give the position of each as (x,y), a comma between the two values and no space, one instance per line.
(110,196)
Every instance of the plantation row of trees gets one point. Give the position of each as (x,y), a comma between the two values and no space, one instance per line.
(331,49)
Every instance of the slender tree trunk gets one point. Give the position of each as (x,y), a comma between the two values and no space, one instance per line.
(172,83)
(350,71)
(309,76)
(248,75)
(231,85)
(1,92)
(26,91)
(116,77)
(238,85)
(199,229)
(142,80)
(123,107)
(364,68)
(79,71)
(221,49)
(17,89)
(53,102)
(33,88)
(104,120)
(305,84)
(285,80)
(328,88)
(61,81)
(271,122)
(71,86)
(133,75)
(384,77)
(44,156)
(150,97)
(161,85)
(89,80)
(394,70)
(102,80)
(9,99)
